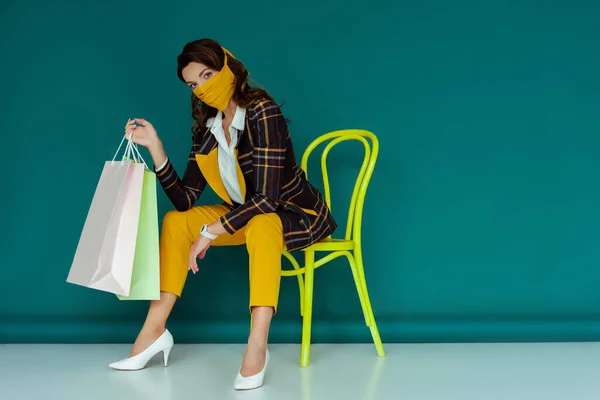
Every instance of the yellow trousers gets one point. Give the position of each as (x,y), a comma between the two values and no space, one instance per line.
(263,237)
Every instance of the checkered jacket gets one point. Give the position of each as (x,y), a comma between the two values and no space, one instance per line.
(274,181)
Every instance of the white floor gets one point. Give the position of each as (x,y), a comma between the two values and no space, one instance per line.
(545,371)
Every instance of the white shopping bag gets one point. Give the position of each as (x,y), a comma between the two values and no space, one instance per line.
(105,252)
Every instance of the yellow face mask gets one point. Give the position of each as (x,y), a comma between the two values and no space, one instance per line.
(217,91)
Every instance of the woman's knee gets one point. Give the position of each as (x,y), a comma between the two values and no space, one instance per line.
(264,223)
(264,228)
(174,220)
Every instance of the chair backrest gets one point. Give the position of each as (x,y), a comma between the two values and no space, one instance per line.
(371,144)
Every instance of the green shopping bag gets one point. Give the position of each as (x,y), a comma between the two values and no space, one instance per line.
(145,278)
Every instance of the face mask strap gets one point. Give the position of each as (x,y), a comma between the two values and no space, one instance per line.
(227,53)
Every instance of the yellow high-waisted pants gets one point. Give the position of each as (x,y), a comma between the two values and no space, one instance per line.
(263,237)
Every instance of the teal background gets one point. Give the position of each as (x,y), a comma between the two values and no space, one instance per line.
(482,219)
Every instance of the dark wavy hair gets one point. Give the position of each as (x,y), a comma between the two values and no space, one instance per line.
(210,53)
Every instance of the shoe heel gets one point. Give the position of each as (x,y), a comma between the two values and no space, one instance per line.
(166,353)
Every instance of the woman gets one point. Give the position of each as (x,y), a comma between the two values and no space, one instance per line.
(242,149)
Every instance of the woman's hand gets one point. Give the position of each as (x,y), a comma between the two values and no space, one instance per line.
(143,134)
(202,244)
(198,249)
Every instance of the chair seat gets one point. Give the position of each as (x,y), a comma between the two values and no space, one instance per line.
(331,245)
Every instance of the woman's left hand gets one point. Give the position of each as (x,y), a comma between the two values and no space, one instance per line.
(198,249)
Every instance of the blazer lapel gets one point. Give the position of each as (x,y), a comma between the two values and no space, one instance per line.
(207,159)
(244,152)
(209,166)
(208,162)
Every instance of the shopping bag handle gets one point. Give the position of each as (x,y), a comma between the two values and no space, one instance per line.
(130,151)
(127,150)
(135,147)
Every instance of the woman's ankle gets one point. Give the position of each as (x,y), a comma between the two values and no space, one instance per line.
(259,341)
(153,328)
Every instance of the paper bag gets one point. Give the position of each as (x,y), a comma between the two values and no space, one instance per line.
(145,280)
(105,252)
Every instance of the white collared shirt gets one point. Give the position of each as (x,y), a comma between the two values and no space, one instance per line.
(226,152)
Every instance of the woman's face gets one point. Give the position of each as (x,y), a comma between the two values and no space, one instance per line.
(195,74)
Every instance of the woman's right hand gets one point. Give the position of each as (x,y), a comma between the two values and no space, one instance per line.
(143,134)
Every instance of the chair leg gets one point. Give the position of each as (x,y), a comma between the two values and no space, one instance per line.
(361,287)
(308,298)
(296,266)
(301,288)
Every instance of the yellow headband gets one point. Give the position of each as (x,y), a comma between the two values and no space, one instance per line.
(227,53)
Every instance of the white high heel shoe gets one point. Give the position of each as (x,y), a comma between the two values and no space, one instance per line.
(164,343)
(251,382)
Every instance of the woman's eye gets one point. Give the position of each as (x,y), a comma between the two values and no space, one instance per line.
(207,75)
(193,86)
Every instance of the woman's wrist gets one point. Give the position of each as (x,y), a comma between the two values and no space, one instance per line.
(157,152)
(156,147)
(216,228)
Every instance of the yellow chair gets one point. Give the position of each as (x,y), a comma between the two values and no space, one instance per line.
(349,247)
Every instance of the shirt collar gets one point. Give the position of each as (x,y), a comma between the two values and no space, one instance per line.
(239,119)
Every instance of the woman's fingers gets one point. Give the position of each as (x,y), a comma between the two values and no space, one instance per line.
(129,124)
(192,261)
(203,252)
(140,131)
(130,128)
(136,131)
(142,121)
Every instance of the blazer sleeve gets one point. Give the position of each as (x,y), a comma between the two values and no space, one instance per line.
(183,193)
(269,137)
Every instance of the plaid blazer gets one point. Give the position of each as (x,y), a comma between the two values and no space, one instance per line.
(274,183)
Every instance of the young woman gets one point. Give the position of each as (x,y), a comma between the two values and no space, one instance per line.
(242,149)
